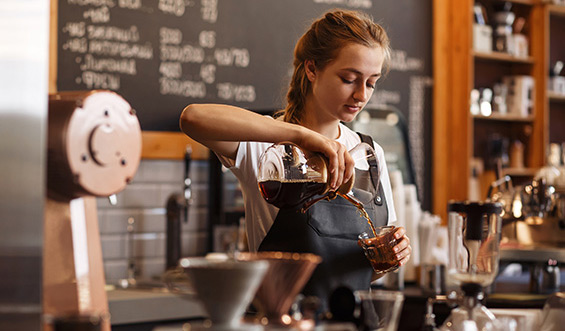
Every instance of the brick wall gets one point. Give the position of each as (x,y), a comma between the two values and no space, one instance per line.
(144,200)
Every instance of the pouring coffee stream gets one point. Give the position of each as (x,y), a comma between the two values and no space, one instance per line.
(290,178)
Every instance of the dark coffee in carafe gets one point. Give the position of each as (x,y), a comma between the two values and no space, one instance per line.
(290,194)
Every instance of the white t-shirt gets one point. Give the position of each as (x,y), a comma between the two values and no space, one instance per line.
(260,215)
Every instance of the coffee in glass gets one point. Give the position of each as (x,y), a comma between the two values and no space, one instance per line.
(379,249)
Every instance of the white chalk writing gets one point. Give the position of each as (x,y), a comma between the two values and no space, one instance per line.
(98,3)
(188,60)
(170,69)
(232,56)
(228,91)
(77,45)
(113,33)
(125,66)
(207,39)
(129,4)
(208,73)
(100,80)
(185,88)
(170,36)
(209,10)
(112,48)
(75,29)
(348,3)
(401,62)
(97,15)
(175,7)
(185,53)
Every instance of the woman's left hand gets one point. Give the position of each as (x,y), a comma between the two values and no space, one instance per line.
(402,249)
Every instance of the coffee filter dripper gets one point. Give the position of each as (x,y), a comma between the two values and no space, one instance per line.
(286,276)
(225,288)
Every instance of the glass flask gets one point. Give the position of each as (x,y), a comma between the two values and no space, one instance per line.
(290,177)
(474,240)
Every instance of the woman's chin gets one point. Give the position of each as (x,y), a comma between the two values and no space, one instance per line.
(347,118)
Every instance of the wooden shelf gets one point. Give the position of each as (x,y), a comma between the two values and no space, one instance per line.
(170,145)
(558,10)
(522,2)
(555,96)
(519,172)
(503,57)
(505,118)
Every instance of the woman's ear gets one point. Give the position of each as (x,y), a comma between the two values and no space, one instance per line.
(310,68)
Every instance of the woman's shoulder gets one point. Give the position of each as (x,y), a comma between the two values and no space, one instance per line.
(351,138)
(348,136)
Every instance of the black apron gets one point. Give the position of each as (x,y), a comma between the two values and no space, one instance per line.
(330,229)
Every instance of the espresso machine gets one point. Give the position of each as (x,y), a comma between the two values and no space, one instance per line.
(534,214)
(94,150)
(533,231)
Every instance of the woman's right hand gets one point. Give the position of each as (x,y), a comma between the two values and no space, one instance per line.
(341,164)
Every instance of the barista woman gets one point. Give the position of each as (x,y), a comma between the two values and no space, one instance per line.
(337,63)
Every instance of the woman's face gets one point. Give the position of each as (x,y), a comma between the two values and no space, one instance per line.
(345,85)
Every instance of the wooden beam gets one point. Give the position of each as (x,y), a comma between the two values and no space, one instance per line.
(452,70)
(539,40)
(170,145)
(52,84)
(440,105)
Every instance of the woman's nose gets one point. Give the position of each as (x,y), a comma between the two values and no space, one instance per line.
(361,93)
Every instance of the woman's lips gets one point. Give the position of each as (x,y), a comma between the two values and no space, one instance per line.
(353,109)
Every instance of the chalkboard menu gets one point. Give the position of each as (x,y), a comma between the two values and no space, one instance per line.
(162,55)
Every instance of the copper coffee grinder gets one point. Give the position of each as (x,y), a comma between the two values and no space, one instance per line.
(94,150)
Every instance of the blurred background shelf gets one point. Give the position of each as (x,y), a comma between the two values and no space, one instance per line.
(505,118)
(498,56)
(557,10)
(522,172)
(459,69)
(555,96)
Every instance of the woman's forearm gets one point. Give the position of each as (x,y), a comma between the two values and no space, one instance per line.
(222,127)
(212,122)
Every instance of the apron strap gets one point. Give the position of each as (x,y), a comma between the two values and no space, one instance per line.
(373,168)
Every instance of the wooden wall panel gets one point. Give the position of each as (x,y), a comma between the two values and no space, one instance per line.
(170,145)
(451,121)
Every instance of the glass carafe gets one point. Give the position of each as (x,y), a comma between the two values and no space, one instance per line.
(290,177)
(474,240)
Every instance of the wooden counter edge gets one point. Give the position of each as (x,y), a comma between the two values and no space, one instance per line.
(170,145)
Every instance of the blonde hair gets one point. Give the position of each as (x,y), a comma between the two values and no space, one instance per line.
(321,44)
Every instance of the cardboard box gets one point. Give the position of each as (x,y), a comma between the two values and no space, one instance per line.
(520,45)
(482,38)
(520,98)
(557,84)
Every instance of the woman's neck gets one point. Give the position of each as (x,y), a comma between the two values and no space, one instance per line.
(325,126)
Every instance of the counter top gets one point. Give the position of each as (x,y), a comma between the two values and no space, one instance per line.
(133,306)
(138,306)
(532,254)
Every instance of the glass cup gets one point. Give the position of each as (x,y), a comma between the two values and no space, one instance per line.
(379,250)
(380,310)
